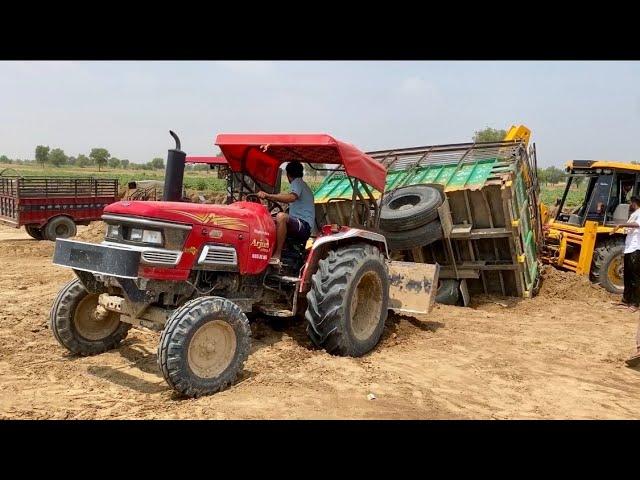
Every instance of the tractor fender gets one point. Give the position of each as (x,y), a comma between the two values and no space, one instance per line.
(322,244)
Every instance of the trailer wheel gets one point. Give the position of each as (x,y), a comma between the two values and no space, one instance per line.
(607,268)
(204,346)
(418,237)
(348,301)
(410,207)
(60,227)
(79,326)
(34,232)
(448,292)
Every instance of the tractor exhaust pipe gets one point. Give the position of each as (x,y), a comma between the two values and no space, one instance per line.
(174,172)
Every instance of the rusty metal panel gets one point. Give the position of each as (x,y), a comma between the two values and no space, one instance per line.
(412,286)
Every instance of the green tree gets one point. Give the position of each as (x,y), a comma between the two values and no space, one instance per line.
(114,162)
(489,135)
(157,163)
(42,155)
(83,161)
(554,174)
(72,160)
(100,156)
(124,163)
(5,159)
(57,157)
(542,176)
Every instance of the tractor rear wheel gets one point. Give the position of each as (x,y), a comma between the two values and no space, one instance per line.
(34,232)
(204,346)
(80,325)
(608,266)
(348,301)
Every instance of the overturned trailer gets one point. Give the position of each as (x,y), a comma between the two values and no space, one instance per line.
(490,216)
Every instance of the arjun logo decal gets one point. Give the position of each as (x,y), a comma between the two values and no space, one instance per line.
(213,219)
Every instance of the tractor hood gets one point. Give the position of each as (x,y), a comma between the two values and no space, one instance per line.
(239,216)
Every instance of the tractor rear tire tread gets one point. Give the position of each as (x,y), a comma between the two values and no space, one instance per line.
(327,303)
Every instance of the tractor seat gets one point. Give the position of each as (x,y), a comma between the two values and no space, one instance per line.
(621,213)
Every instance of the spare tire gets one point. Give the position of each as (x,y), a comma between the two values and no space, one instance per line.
(410,207)
(448,292)
(418,237)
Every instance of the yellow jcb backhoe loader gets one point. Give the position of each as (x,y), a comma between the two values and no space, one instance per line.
(579,239)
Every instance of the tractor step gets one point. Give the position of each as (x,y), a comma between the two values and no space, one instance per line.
(274,310)
(284,278)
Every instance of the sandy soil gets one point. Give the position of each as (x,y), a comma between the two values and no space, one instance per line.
(559,355)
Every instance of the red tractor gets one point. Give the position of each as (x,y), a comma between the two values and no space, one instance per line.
(193,271)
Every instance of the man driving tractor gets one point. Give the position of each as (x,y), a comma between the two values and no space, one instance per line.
(298,222)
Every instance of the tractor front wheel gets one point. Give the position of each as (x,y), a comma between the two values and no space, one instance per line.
(608,266)
(80,325)
(204,346)
(348,301)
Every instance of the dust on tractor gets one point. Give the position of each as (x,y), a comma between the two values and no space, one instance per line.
(579,239)
(195,271)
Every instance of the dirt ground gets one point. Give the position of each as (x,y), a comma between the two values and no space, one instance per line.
(559,355)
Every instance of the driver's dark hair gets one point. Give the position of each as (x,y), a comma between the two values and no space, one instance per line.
(294,169)
(635,200)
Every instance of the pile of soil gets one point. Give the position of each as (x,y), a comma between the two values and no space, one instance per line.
(94,233)
(565,285)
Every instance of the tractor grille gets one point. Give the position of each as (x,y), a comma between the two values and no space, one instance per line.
(218,255)
(162,257)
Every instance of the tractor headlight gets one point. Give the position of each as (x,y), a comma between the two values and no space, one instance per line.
(113,231)
(145,236)
(135,235)
(152,236)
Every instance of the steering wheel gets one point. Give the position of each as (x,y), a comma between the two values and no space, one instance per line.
(273,207)
(252,197)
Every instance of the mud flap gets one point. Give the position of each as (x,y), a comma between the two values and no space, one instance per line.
(412,286)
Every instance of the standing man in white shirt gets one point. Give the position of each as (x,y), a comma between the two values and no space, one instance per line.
(631,295)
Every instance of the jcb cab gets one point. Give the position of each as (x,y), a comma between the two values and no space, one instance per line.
(579,239)
(193,271)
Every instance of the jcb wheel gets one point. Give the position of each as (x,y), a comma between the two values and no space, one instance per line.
(80,326)
(348,301)
(607,268)
(204,346)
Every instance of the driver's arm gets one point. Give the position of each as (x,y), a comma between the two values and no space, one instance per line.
(279,197)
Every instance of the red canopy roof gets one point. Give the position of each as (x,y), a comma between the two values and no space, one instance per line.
(207,160)
(262,154)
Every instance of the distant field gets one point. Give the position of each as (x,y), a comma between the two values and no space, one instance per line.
(208,180)
(200,180)
(549,193)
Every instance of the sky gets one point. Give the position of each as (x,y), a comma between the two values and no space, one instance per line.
(575,110)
